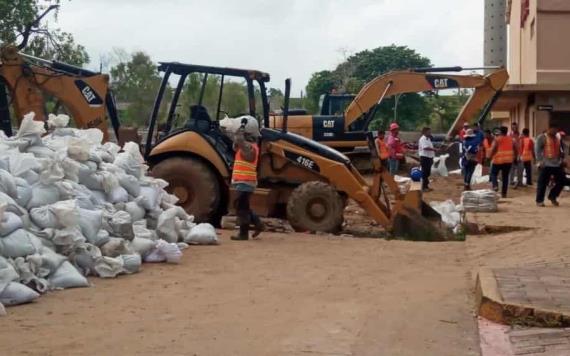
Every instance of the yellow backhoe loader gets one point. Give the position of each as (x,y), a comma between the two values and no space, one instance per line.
(300,179)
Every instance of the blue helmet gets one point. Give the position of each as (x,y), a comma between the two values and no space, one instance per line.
(416,174)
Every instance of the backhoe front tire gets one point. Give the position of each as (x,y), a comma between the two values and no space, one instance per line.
(315,206)
(194,183)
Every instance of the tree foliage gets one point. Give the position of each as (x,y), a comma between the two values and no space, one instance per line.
(135,84)
(44,42)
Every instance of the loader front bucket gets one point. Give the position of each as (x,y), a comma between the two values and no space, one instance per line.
(415,220)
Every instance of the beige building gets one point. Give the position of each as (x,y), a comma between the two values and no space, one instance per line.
(538,91)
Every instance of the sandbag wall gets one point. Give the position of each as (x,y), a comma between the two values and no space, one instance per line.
(72,207)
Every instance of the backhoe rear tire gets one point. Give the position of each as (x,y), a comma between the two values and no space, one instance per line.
(315,206)
(194,183)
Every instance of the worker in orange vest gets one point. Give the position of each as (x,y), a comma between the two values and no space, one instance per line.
(244,176)
(527,154)
(382,148)
(503,153)
(550,161)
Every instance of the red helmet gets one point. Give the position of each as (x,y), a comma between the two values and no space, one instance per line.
(394,126)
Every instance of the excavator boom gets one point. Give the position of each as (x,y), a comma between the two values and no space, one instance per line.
(393,83)
(83,93)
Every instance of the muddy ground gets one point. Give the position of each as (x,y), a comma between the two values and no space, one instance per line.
(294,294)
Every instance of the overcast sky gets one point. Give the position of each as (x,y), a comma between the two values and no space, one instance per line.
(287,38)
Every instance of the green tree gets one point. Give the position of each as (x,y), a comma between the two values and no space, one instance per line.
(135,84)
(320,83)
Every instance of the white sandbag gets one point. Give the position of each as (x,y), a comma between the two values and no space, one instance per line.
(16,293)
(22,163)
(450,214)
(98,196)
(404,183)
(84,257)
(90,222)
(58,121)
(24,191)
(43,194)
(131,160)
(119,224)
(29,127)
(9,223)
(67,276)
(50,260)
(136,211)
(31,273)
(65,239)
(130,184)
(66,213)
(484,200)
(17,244)
(2,310)
(141,231)
(118,195)
(131,263)
(142,246)
(41,151)
(439,167)
(78,149)
(70,169)
(108,267)
(202,234)
(8,184)
(164,251)
(115,247)
(166,225)
(7,273)
(151,197)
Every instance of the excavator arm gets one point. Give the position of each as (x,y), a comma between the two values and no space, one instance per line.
(393,83)
(83,93)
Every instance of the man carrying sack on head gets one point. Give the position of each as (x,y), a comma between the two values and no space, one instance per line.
(550,162)
(244,176)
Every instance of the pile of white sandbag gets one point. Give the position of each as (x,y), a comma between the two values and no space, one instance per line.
(484,200)
(71,207)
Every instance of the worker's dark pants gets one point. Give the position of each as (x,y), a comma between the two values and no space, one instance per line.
(426,163)
(504,168)
(245,215)
(528,172)
(544,175)
(469,170)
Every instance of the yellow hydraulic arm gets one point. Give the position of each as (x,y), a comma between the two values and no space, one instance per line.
(393,83)
(82,93)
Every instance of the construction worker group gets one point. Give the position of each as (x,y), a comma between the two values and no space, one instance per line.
(508,155)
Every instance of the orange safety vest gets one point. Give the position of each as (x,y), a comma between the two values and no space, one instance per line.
(505,150)
(526,149)
(552,147)
(487,145)
(383,151)
(245,171)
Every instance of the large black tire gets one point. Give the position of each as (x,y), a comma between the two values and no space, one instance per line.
(315,206)
(194,183)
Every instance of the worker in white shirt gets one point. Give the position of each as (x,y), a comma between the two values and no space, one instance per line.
(427,153)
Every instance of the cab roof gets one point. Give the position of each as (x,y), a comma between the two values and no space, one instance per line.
(182,68)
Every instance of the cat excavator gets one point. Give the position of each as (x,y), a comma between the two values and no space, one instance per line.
(346,130)
(299,179)
(85,94)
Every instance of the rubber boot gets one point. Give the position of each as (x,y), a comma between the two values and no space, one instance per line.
(243,221)
(259,226)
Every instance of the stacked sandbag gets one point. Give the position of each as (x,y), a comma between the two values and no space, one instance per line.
(484,200)
(72,207)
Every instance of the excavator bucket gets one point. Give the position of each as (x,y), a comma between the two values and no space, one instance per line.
(416,220)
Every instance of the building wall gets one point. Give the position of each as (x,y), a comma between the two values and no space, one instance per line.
(514,52)
(528,39)
(554,51)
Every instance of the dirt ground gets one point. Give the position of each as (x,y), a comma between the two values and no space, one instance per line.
(294,294)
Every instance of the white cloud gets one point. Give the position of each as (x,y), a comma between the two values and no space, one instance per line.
(285,38)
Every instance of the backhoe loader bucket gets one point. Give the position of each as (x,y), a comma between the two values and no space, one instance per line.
(415,220)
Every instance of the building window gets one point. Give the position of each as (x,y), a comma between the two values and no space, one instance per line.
(532,28)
